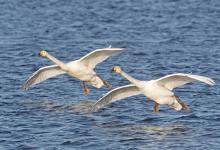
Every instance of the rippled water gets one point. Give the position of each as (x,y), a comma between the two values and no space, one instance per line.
(162,37)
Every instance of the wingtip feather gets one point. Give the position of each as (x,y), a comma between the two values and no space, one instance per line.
(24,87)
(114,49)
(211,81)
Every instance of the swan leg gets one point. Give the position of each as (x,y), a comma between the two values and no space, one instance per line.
(106,83)
(183,104)
(156,106)
(85,88)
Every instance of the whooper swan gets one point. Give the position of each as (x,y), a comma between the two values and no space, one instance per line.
(160,90)
(83,68)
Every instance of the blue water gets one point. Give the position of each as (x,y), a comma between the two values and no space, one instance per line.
(161,36)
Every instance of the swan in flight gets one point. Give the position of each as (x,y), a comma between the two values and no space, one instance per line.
(160,90)
(82,68)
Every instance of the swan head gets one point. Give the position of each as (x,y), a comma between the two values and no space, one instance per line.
(43,53)
(117,69)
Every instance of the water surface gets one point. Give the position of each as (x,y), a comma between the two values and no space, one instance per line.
(161,37)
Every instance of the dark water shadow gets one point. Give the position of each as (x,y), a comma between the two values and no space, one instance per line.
(82,107)
(137,131)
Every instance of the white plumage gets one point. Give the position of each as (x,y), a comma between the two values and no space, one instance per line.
(98,56)
(175,80)
(117,94)
(42,74)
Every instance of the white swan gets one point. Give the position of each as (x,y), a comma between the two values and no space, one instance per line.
(160,90)
(82,68)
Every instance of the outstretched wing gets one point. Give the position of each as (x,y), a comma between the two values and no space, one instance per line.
(99,55)
(174,80)
(115,95)
(42,74)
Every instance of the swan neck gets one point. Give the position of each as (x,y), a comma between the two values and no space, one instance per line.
(57,62)
(130,78)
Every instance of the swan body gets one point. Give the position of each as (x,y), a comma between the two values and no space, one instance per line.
(83,73)
(82,69)
(159,91)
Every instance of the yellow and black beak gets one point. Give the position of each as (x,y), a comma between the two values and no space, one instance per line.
(113,70)
(39,54)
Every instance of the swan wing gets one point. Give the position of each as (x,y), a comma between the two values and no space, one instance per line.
(175,80)
(115,95)
(99,55)
(42,74)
